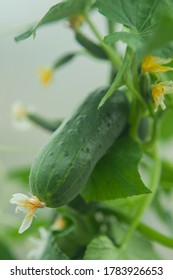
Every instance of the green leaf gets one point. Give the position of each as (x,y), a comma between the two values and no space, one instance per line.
(138,15)
(116,174)
(64,10)
(160,43)
(26,34)
(133,40)
(102,248)
(138,248)
(145,22)
(57,12)
(52,251)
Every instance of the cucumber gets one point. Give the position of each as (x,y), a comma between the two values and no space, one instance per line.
(63,166)
(50,125)
(90,46)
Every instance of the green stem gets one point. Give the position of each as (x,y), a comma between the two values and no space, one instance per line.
(47,124)
(114,57)
(134,120)
(148,199)
(113,72)
(143,228)
(120,77)
(111,26)
(155,235)
(111,29)
(131,88)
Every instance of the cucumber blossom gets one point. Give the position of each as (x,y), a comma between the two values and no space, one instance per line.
(63,166)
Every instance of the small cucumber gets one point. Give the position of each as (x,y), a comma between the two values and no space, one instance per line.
(63,166)
(50,125)
(90,46)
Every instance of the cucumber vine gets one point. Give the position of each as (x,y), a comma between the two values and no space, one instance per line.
(106,193)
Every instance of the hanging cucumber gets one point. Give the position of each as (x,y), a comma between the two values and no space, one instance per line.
(63,166)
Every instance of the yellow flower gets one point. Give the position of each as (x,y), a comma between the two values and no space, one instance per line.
(159,91)
(155,65)
(46,75)
(27,205)
(76,21)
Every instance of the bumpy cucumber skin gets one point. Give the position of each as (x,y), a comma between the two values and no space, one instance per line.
(63,166)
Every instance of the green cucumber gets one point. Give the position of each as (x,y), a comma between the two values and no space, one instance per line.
(90,46)
(63,166)
(50,125)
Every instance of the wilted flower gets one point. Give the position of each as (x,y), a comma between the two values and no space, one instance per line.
(159,91)
(46,75)
(19,111)
(155,65)
(76,21)
(27,205)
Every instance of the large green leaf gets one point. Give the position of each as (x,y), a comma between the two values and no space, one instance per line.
(116,174)
(133,40)
(148,22)
(160,42)
(138,15)
(64,10)
(102,248)
(156,42)
(57,12)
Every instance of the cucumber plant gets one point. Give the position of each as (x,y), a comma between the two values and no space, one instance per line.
(102,168)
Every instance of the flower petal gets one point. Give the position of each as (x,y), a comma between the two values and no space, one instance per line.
(20,209)
(19,110)
(46,75)
(27,205)
(161,60)
(17,198)
(159,91)
(26,222)
(155,65)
